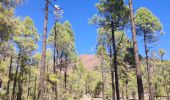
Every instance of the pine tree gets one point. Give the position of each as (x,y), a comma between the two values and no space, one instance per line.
(135,47)
(147,25)
(42,69)
(114,15)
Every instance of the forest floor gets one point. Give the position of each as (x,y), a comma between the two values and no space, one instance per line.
(85,97)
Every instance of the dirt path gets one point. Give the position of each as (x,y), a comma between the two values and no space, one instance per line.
(85,97)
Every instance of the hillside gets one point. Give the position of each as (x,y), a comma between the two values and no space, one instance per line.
(90,61)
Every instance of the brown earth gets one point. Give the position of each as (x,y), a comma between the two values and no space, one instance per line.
(90,61)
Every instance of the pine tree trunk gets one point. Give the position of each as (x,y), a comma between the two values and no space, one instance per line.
(151,94)
(115,62)
(61,62)
(127,81)
(127,97)
(65,80)
(54,62)
(58,62)
(15,78)
(54,51)
(43,57)
(20,81)
(112,75)
(103,80)
(9,76)
(137,63)
(0,83)
(28,92)
(156,89)
(35,88)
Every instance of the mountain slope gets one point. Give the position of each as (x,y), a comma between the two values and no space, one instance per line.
(90,61)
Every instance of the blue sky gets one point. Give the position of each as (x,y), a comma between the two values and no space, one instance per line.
(79,11)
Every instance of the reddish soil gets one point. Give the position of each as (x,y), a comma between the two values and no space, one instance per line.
(90,61)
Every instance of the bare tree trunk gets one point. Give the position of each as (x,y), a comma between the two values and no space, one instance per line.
(54,51)
(151,94)
(9,76)
(65,80)
(20,83)
(103,78)
(0,82)
(28,92)
(58,62)
(127,97)
(127,81)
(112,75)
(115,62)
(20,80)
(137,63)
(61,62)
(35,88)
(15,78)
(43,57)
(54,62)
(156,88)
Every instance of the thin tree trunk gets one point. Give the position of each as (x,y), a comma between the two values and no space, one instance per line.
(61,62)
(127,81)
(151,95)
(103,80)
(54,51)
(28,92)
(43,57)
(54,65)
(156,93)
(112,75)
(137,63)
(127,97)
(0,83)
(20,81)
(58,62)
(35,86)
(65,80)
(86,88)
(54,62)
(9,76)
(115,62)
(15,79)
(47,89)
